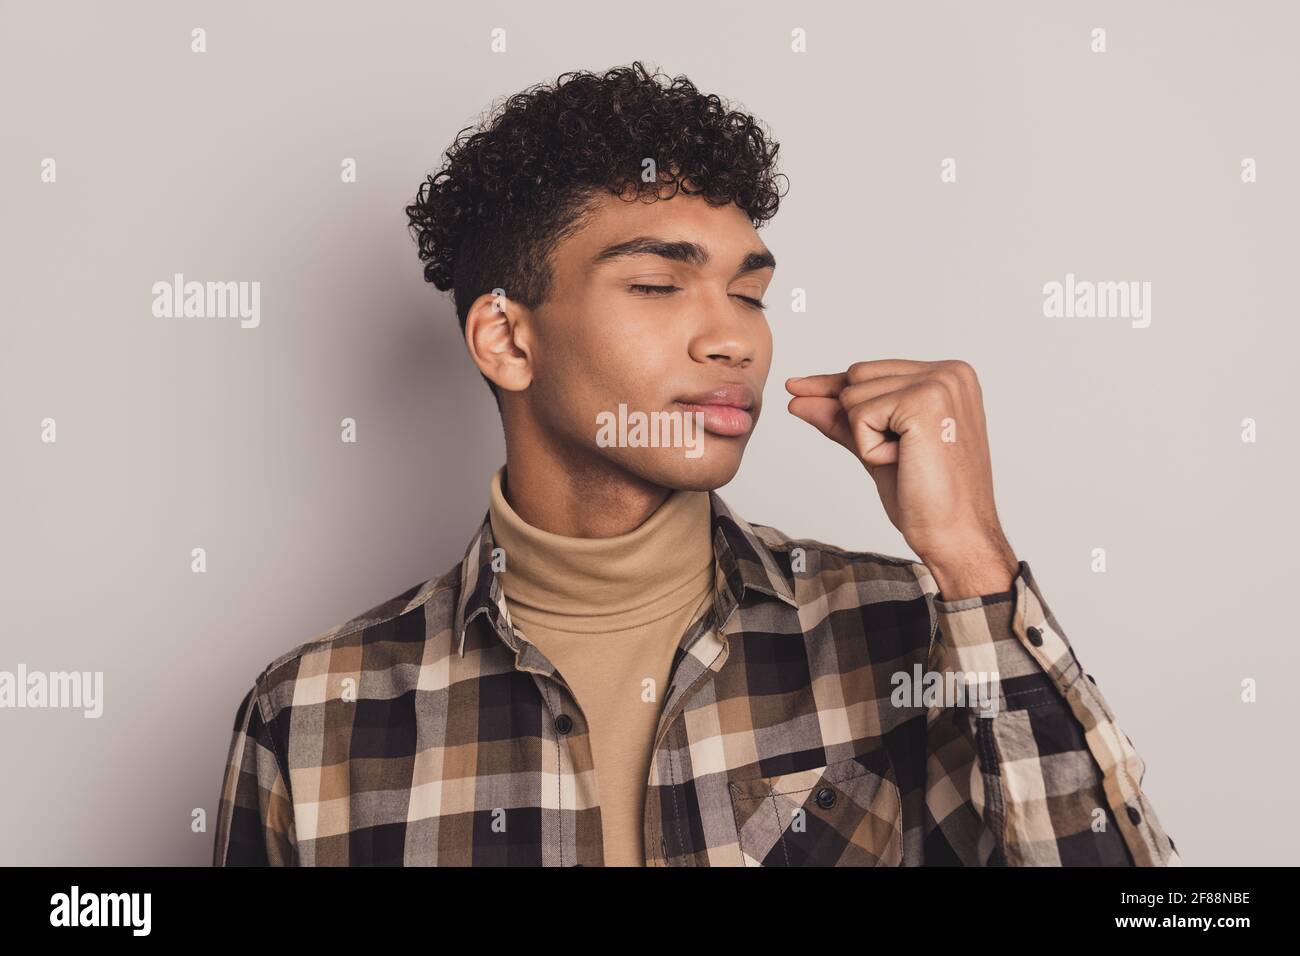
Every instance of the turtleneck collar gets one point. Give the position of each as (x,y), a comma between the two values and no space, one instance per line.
(605,584)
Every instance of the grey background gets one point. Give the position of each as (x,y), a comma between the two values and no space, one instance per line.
(174,434)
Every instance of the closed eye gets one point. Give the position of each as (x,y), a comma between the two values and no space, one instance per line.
(656,290)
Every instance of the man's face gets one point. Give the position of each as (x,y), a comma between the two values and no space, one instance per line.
(640,319)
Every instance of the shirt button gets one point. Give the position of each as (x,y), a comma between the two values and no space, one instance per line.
(1134,816)
(1035,636)
(563,723)
(825,798)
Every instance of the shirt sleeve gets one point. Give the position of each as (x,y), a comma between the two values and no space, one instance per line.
(1035,760)
(255,815)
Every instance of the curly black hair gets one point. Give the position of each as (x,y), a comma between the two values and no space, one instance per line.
(512,188)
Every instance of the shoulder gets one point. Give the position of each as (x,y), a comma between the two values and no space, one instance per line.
(382,638)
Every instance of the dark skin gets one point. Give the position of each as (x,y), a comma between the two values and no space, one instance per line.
(602,339)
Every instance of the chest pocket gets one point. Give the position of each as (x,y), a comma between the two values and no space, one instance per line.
(847,813)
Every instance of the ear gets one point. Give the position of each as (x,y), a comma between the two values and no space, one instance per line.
(497,336)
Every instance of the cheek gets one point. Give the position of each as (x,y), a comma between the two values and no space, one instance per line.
(762,352)
(624,362)
(765,338)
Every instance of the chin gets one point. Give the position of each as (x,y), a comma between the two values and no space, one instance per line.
(670,468)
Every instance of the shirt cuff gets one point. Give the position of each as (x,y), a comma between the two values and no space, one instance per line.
(1009,639)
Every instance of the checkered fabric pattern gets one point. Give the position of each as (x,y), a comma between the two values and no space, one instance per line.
(805,724)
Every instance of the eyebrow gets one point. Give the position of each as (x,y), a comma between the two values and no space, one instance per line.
(680,250)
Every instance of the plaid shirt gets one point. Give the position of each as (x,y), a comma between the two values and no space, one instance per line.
(428,732)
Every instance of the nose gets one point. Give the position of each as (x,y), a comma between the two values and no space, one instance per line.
(724,336)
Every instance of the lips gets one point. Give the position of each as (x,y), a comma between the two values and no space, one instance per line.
(726,409)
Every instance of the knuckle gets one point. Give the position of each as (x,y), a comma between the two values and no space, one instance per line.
(963,370)
(951,381)
(934,391)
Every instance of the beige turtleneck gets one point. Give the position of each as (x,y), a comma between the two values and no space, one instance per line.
(609,614)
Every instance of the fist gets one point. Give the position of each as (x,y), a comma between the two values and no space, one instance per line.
(919,430)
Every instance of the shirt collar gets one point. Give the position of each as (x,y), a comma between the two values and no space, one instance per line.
(743,562)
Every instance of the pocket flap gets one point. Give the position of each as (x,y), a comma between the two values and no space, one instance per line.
(847,813)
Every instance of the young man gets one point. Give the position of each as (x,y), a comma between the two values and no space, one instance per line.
(622,670)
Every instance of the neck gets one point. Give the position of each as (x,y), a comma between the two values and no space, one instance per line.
(572,491)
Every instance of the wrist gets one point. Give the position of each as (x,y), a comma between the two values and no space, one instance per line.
(963,572)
